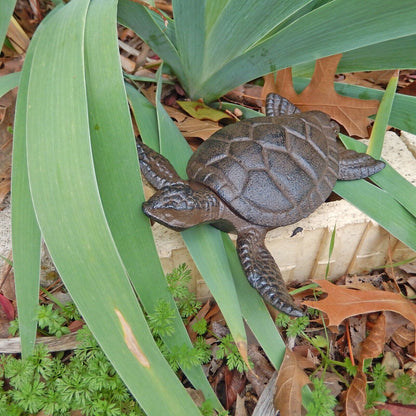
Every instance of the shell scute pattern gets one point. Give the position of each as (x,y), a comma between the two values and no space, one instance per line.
(272,171)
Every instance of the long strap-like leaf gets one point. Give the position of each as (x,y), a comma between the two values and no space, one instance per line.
(71,217)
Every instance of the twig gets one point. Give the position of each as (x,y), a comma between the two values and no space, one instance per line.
(66,342)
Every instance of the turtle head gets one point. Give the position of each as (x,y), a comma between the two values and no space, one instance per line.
(179,206)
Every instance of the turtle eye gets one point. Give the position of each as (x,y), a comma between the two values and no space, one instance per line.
(335,126)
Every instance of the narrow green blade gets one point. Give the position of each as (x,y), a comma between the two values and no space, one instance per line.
(393,206)
(8,82)
(190,14)
(389,180)
(145,115)
(151,26)
(121,191)
(69,211)
(26,237)
(382,207)
(236,30)
(205,246)
(6,12)
(378,132)
(220,56)
(350,29)
(391,54)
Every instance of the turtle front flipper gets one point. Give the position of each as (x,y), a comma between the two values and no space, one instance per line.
(262,271)
(155,168)
(354,165)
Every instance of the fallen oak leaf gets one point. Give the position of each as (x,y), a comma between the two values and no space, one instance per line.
(290,380)
(343,302)
(320,95)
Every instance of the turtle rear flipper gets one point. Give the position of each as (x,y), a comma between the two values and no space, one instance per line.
(276,105)
(353,165)
(155,168)
(262,271)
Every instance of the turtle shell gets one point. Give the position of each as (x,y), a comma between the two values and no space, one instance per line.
(272,171)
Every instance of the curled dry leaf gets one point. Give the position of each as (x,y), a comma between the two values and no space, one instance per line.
(7,108)
(403,337)
(290,380)
(320,94)
(188,126)
(7,307)
(356,399)
(192,127)
(373,345)
(234,385)
(343,302)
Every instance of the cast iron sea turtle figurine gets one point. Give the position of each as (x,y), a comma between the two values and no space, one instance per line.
(253,176)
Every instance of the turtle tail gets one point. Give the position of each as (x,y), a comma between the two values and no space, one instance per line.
(262,271)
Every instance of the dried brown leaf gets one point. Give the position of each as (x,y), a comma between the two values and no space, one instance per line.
(399,409)
(234,384)
(320,94)
(197,396)
(7,105)
(246,94)
(343,302)
(188,126)
(290,380)
(201,111)
(393,322)
(17,36)
(409,268)
(262,370)
(403,337)
(240,408)
(371,79)
(192,127)
(373,345)
(355,398)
